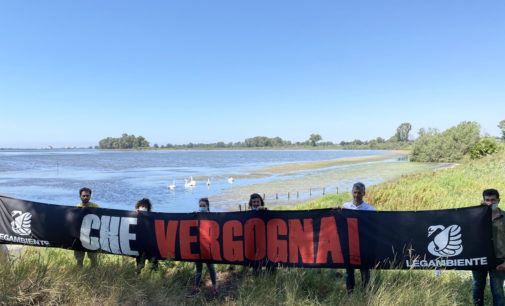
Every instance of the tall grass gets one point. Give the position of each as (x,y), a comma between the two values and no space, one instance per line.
(50,276)
(460,186)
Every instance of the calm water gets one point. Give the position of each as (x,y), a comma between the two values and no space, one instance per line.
(120,178)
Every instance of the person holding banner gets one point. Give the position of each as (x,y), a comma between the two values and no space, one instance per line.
(204,207)
(144,205)
(256,203)
(491,197)
(85,195)
(357,203)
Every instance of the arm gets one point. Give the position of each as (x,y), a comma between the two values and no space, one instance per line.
(501,267)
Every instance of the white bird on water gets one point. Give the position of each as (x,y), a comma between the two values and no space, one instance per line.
(230,180)
(172,187)
(187,184)
(192,182)
(208,182)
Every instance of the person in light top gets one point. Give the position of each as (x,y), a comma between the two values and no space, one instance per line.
(357,203)
(358,192)
(204,207)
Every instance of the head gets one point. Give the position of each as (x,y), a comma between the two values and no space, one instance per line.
(85,194)
(143,205)
(358,192)
(491,197)
(204,204)
(255,201)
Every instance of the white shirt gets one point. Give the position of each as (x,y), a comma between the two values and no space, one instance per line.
(362,206)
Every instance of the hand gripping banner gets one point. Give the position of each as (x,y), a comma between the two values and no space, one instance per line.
(448,239)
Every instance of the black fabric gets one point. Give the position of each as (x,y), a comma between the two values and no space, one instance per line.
(458,238)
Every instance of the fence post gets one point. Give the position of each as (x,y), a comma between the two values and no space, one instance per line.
(297,195)
(276,196)
(337,189)
(240,207)
(310,192)
(323,191)
(288,195)
(264,198)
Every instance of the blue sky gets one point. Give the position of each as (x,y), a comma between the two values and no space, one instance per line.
(72,73)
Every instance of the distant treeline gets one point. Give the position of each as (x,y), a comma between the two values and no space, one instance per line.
(398,141)
(431,145)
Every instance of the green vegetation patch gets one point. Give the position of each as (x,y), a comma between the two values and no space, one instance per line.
(50,276)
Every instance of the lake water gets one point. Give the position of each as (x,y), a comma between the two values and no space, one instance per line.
(120,178)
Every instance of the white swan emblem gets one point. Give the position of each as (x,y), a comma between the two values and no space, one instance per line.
(447,242)
(21,224)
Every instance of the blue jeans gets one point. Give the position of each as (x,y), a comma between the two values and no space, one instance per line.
(350,281)
(198,274)
(496,279)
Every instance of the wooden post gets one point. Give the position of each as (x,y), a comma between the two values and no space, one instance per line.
(323,190)
(264,197)
(240,207)
(288,195)
(337,189)
(297,195)
(276,196)
(310,192)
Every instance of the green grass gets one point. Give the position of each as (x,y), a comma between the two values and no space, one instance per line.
(50,276)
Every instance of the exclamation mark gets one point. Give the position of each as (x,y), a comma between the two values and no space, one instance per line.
(353,234)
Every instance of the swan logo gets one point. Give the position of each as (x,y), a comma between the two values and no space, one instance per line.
(22,222)
(446,240)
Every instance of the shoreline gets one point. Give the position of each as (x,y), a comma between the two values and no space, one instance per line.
(309,148)
(293,184)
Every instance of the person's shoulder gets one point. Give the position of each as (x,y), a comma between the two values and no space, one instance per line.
(90,204)
(368,206)
(348,205)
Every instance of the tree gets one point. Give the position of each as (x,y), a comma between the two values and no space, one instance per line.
(501,126)
(314,138)
(124,142)
(427,132)
(402,132)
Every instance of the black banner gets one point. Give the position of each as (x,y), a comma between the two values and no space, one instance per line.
(450,239)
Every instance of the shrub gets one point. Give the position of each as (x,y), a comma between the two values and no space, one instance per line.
(482,148)
(448,146)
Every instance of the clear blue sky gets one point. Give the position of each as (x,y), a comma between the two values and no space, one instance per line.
(74,72)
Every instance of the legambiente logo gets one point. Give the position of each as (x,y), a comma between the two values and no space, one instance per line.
(21,225)
(446,242)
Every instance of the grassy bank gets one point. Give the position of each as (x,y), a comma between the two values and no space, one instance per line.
(49,276)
